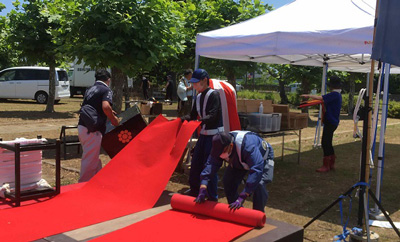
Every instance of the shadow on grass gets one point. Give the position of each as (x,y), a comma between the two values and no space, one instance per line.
(24,101)
(36,115)
(300,190)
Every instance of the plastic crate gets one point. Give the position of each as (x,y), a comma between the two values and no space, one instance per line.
(264,122)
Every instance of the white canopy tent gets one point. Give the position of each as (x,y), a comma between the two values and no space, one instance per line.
(328,33)
(304,32)
(334,34)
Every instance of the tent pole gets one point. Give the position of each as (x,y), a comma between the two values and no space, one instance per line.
(382,136)
(317,140)
(196,62)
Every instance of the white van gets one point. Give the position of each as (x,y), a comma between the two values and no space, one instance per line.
(32,82)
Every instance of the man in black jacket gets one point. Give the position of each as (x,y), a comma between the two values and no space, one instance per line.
(96,108)
(207,109)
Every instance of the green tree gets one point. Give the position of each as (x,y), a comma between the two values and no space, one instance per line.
(8,55)
(128,36)
(37,31)
(202,16)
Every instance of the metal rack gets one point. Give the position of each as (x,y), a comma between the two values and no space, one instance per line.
(18,196)
(66,142)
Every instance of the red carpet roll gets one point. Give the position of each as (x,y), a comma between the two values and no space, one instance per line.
(221,211)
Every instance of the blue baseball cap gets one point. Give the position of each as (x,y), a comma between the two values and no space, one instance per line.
(198,75)
(219,142)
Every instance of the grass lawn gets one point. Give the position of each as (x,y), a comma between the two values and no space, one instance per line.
(297,194)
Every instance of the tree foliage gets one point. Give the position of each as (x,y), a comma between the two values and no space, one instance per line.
(128,36)
(8,55)
(37,31)
(202,16)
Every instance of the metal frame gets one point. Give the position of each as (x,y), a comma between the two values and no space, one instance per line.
(283,133)
(17,197)
(66,143)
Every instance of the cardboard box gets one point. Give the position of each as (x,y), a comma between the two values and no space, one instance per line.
(242,109)
(156,109)
(298,120)
(145,109)
(240,102)
(268,109)
(253,106)
(285,121)
(280,108)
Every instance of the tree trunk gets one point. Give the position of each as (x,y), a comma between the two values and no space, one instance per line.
(231,78)
(117,86)
(305,88)
(282,92)
(126,91)
(52,88)
(350,106)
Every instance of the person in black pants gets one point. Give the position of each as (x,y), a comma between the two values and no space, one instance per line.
(332,104)
(145,87)
(207,109)
(169,89)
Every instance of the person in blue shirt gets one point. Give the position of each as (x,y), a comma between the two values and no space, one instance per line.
(332,104)
(245,152)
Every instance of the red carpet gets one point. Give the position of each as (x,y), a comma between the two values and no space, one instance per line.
(67,188)
(132,181)
(188,221)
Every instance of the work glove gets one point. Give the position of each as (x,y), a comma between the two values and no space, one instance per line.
(239,202)
(202,195)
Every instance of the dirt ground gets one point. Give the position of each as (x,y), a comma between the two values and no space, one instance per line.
(297,193)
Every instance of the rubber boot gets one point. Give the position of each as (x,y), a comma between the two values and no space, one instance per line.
(332,162)
(326,165)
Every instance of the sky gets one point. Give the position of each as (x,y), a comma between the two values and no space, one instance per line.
(275,3)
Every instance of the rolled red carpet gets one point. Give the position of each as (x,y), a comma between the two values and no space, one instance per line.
(216,210)
(188,221)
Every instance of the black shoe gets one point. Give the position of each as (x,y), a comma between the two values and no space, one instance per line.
(191,193)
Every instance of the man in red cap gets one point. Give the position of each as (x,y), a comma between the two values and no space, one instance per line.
(245,152)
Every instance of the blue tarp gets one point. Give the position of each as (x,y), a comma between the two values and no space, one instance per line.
(387,39)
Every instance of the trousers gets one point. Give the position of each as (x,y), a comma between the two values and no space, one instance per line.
(327,137)
(91,145)
(233,177)
(201,152)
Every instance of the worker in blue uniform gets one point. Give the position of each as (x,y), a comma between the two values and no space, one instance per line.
(245,152)
(207,109)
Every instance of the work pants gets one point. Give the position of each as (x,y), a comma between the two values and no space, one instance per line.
(145,94)
(327,137)
(184,107)
(168,95)
(233,177)
(91,144)
(201,152)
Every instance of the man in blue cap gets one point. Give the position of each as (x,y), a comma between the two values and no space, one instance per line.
(245,152)
(207,109)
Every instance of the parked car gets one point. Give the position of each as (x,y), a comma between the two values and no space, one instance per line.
(32,82)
